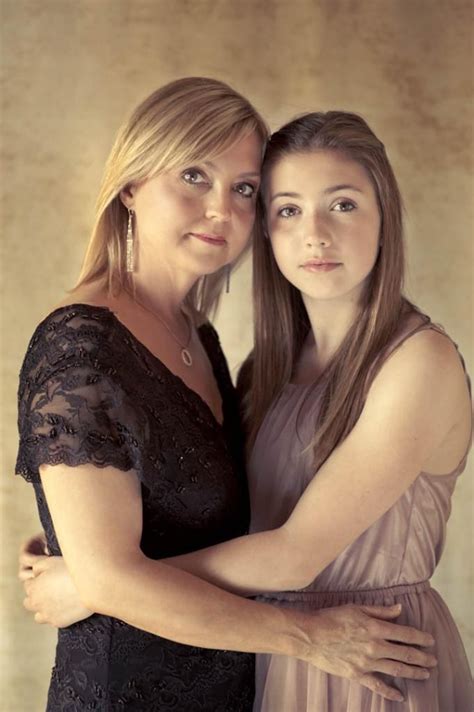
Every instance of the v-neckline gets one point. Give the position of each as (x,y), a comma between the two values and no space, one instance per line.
(153,356)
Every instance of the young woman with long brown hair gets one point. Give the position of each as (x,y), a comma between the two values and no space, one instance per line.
(99,398)
(354,398)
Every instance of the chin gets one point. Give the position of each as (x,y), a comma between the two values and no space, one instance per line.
(204,267)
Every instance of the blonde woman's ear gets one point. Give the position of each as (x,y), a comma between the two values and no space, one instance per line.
(126,196)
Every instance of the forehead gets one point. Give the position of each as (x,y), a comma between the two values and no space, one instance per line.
(245,152)
(320,168)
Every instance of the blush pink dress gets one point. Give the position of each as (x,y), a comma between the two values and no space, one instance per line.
(391,562)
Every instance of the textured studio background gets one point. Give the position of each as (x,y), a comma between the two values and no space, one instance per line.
(74,68)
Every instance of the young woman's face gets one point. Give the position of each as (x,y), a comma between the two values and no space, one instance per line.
(198,217)
(324,223)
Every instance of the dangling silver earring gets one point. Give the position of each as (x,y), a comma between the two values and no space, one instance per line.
(130,260)
(227,279)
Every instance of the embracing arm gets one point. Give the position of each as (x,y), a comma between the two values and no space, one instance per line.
(101,546)
(403,421)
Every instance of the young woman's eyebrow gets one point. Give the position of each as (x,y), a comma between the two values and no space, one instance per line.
(341,186)
(284,195)
(327,191)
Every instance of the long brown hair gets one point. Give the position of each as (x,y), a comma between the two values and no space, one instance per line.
(187,120)
(281,321)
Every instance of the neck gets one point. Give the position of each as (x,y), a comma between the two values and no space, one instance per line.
(163,294)
(330,321)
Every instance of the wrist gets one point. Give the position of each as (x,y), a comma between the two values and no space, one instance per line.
(296,642)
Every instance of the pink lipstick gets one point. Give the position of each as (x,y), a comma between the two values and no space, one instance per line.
(210,239)
(316,265)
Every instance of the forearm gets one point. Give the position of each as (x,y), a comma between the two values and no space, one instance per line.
(257,563)
(176,605)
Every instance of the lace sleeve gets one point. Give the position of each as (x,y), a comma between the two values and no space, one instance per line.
(72,409)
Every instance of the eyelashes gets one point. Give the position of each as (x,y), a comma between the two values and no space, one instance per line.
(287,212)
(341,206)
(246,190)
(191,176)
(344,206)
(194,176)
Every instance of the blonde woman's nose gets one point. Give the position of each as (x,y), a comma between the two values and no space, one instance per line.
(218,206)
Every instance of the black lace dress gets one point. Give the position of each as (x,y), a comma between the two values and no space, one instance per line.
(91,393)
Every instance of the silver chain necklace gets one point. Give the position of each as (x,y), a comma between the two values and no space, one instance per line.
(185,354)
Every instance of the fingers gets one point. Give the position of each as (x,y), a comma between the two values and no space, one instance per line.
(25,574)
(404,634)
(375,684)
(408,655)
(39,618)
(27,586)
(383,612)
(28,604)
(42,563)
(26,559)
(31,565)
(397,669)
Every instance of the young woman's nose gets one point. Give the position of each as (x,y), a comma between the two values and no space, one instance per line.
(317,232)
(218,205)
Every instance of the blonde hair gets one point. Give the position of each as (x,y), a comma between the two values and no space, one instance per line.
(281,321)
(185,121)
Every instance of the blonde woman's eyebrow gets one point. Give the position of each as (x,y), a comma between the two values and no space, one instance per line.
(245,174)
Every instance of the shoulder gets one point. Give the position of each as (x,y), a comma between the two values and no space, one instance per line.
(429,351)
(426,365)
(71,324)
(77,332)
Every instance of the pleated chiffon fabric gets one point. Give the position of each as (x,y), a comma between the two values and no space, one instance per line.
(391,562)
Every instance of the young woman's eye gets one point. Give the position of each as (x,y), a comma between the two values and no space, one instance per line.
(344,206)
(193,176)
(288,212)
(246,190)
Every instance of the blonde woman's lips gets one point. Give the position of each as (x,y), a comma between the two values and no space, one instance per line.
(210,239)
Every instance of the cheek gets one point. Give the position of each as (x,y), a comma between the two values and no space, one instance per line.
(365,258)
(283,254)
(245,209)
(245,218)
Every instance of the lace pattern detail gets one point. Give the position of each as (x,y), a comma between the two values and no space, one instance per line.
(91,393)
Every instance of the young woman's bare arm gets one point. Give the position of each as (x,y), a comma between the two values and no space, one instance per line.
(101,546)
(415,401)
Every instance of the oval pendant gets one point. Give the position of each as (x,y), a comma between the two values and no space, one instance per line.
(186,356)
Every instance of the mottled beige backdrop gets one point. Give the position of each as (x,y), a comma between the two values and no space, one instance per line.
(73,68)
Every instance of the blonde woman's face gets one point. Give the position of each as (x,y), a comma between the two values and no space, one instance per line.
(198,217)
(324,223)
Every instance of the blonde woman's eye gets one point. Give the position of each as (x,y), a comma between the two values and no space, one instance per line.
(287,212)
(193,176)
(246,190)
(344,206)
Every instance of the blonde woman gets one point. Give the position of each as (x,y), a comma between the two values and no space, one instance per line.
(130,434)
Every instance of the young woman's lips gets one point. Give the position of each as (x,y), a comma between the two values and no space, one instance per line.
(320,266)
(210,239)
